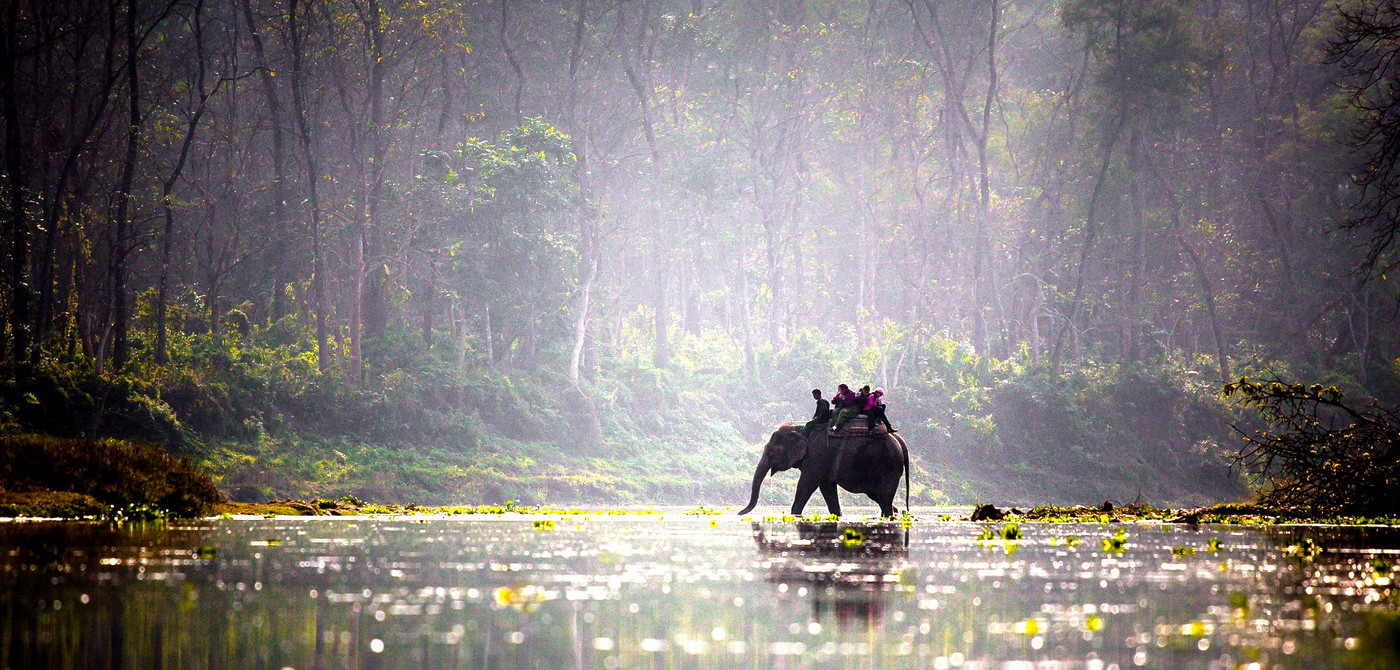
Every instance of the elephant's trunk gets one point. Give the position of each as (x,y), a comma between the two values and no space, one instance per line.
(758,474)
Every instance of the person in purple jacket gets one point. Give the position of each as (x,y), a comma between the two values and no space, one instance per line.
(875,409)
(846,406)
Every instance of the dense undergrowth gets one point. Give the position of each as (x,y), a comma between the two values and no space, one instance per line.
(74,477)
(249,406)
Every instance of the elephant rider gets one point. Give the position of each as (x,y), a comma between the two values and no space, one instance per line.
(821,417)
(847,406)
(875,409)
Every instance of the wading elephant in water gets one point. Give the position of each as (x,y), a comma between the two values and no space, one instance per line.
(869,464)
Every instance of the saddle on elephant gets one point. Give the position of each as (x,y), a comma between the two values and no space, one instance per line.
(859,426)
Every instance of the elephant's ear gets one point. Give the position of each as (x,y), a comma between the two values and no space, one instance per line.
(795,449)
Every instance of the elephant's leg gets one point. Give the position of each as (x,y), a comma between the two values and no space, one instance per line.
(833,502)
(805,489)
(884,494)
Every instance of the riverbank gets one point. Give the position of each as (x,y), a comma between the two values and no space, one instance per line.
(252,411)
(91,477)
(1246,514)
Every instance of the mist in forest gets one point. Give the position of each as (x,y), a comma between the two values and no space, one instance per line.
(599,249)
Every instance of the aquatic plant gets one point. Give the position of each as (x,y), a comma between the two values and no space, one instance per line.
(1008,537)
(1116,544)
(1305,549)
(544,524)
(1184,552)
(141,512)
(851,537)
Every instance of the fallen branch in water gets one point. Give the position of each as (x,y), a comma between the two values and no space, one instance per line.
(1318,452)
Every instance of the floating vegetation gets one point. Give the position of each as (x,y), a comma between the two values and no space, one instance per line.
(544,524)
(852,537)
(137,513)
(1239,602)
(1214,545)
(1116,544)
(1304,550)
(702,510)
(206,552)
(1184,552)
(524,599)
(1380,572)
(1008,537)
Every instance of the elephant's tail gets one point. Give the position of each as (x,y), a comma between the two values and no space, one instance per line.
(905,448)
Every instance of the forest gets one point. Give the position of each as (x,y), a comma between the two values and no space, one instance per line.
(549,251)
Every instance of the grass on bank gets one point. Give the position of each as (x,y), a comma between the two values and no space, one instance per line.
(81,477)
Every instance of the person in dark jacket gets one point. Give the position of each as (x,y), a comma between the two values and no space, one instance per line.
(862,398)
(822,415)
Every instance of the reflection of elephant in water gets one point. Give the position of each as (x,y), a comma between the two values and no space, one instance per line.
(869,464)
(848,567)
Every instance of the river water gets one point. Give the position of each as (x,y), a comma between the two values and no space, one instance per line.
(669,590)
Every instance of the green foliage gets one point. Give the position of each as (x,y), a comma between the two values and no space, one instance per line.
(133,479)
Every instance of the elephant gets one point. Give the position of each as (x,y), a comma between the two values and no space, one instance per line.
(869,464)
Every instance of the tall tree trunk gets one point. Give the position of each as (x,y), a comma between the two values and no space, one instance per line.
(984,193)
(57,199)
(510,57)
(168,187)
(1090,236)
(15,169)
(318,278)
(277,252)
(1132,312)
(661,318)
(589,257)
(372,184)
(746,326)
(124,195)
(488,336)
(1208,295)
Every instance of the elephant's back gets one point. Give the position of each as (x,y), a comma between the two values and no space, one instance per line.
(882,452)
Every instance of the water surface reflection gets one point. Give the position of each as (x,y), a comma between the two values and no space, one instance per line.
(670,590)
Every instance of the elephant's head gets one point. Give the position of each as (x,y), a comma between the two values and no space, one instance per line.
(785,449)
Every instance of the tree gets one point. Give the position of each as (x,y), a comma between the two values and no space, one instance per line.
(1367,47)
